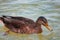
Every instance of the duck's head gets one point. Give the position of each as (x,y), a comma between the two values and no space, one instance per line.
(43,21)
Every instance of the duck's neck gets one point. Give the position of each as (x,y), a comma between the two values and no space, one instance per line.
(38,25)
(38,28)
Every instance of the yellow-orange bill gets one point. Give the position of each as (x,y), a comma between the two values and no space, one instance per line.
(49,28)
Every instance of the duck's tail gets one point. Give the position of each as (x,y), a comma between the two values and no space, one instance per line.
(3,17)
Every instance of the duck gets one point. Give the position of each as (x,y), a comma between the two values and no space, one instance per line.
(24,25)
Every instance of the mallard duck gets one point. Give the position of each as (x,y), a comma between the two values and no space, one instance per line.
(24,25)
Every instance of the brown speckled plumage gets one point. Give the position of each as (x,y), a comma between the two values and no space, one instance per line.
(24,25)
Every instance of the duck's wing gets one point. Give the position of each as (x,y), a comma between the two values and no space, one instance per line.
(13,24)
(8,25)
(16,23)
(16,17)
(20,18)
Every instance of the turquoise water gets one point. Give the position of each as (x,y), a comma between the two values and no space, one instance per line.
(32,9)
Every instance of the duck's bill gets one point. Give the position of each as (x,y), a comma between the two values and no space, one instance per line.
(49,28)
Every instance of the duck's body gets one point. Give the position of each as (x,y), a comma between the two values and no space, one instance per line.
(24,25)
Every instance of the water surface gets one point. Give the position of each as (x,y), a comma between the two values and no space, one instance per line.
(32,9)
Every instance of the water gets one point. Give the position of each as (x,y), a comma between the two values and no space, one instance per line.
(32,9)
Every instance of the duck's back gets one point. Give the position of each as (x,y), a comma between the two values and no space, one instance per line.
(25,21)
(21,19)
(23,25)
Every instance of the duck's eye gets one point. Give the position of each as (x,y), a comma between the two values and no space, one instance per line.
(43,23)
(44,20)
